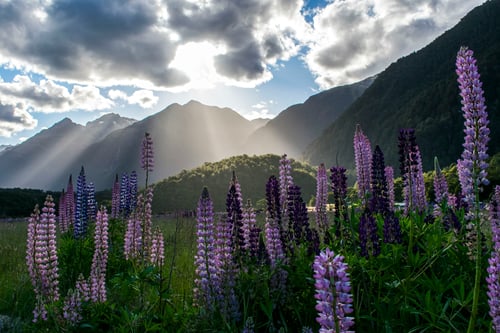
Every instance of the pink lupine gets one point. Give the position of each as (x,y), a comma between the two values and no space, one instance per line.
(363,160)
(285,181)
(147,155)
(157,255)
(41,257)
(100,259)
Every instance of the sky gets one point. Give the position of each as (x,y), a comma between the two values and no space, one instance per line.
(85,58)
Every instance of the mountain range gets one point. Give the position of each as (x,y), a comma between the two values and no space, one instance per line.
(419,91)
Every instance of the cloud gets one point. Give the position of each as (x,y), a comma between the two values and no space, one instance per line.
(260,110)
(48,96)
(354,39)
(146,99)
(13,118)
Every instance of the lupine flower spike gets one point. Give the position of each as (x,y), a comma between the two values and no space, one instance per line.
(493,278)
(333,293)
(100,260)
(321,198)
(147,155)
(363,159)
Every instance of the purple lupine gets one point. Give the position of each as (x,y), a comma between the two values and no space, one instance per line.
(62,218)
(41,257)
(226,270)
(125,195)
(70,203)
(368,235)
(250,230)
(235,214)
(72,307)
(100,259)
(389,178)
(273,205)
(115,198)
(440,190)
(147,155)
(411,171)
(133,242)
(493,278)
(276,256)
(298,219)
(91,203)
(472,165)
(321,198)
(339,188)
(206,281)
(157,255)
(363,160)
(81,217)
(379,201)
(132,188)
(333,293)
(286,180)
(147,221)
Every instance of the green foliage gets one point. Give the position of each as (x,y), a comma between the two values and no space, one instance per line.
(17,202)
(181,192)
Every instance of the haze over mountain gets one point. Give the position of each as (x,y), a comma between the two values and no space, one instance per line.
(43,161)
(421,91)
(295,127)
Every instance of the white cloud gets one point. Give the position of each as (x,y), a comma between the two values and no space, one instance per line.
(48,96)
(260,110)
(13,119)
(354,39)
(117,94)
(146,99)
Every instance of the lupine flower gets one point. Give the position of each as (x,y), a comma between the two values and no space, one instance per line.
(321,198)
(235,215)
(389,177)
(125,195)
(133,243)
(276,256)
(273,207)
(226,270)
(206,281)
(339,189)
(249,326)
(472,166)
(63,219)
(493,278)
(41,257)
(70,203)
(411,171)
(147,221)
(298,219)
(157,255)
(392,229)
(81,217)
(115,198)
(147,155)
(91,203)
(368,235)
(286,180)
(73,302)
(379,201)
(100,259)
(363,160)
(440,189)
(132,188)
(250,230)
(333,293)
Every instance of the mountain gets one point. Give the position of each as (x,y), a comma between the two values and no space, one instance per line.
(421,91)
(182,191)
(299,124)
(42,161)
(184,136)
(259,122)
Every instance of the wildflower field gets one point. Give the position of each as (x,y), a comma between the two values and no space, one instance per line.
(365,265)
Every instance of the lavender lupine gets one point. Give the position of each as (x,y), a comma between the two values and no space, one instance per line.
(115,198)
(389,177)
(70,203)
(147,155)
(440,189)
(472,165)
(206,281)
(363,160)
(41,257)
(81,217)
(235,214)
(133,242)
(286,180)
(100,259)
(333,293)
(73,302)
(273,206)
(298,219)
(493,278)
(91,202)
(379,201)
(132,187)
(321,198)
(276,256)
(250,230)
(157,254)
(147,221)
